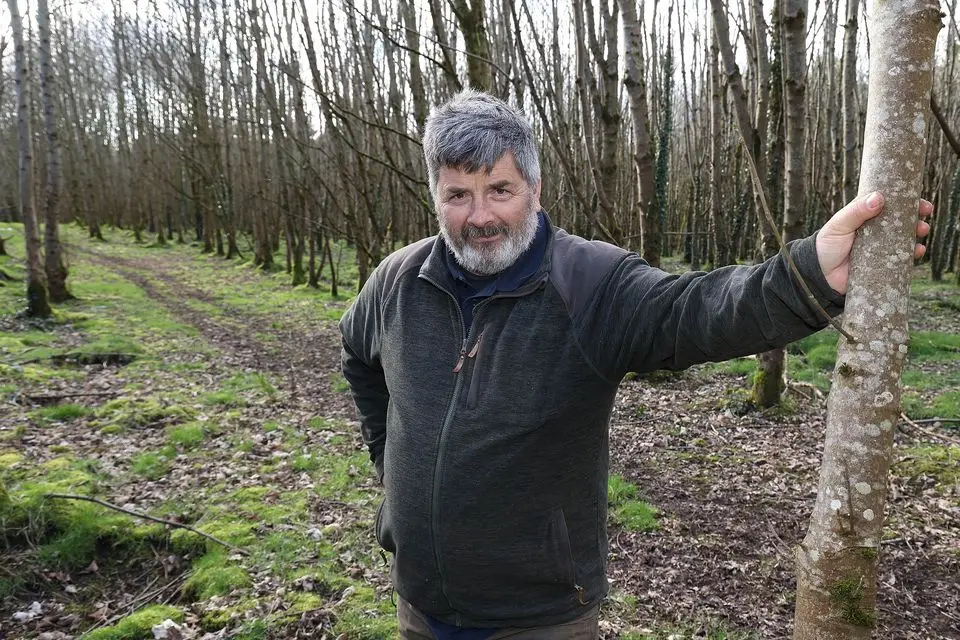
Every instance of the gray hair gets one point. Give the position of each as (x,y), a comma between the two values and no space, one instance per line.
(472,131)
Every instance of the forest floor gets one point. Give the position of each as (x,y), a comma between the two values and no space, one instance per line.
(208,393)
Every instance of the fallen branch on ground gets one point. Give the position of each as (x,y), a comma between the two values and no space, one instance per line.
(137,514)
(929,432)
(61,396)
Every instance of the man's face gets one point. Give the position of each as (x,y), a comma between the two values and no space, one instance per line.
(487,219)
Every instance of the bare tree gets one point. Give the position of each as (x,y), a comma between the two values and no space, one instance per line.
(37,303)
(837,561)
(56,271)
(635,82)
(849,105)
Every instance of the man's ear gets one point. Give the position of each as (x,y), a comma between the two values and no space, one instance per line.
(536,194)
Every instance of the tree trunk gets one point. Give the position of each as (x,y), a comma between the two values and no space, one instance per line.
(769,382)
(635,82)
(718,222)
(837,561)
(37,304)
(55,270)
(473,25)
(849,105)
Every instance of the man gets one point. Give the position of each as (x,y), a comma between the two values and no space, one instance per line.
(484,365)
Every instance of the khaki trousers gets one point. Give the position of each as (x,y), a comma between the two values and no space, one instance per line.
(413,626)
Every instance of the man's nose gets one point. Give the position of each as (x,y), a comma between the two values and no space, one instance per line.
(480,213)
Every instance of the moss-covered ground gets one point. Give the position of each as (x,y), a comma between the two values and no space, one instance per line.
(206,392)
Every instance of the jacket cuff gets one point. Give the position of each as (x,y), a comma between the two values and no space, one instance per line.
(804,253)
(378,466)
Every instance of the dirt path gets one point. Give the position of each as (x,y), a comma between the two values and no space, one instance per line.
(309,358)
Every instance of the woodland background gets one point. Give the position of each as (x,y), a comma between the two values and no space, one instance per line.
(215,180)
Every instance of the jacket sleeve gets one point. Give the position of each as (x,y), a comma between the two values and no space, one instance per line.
(360,362)
(643,319)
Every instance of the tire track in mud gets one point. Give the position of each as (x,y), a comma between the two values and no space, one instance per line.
(308,362)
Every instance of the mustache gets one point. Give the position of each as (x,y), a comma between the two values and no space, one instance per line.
(471,231)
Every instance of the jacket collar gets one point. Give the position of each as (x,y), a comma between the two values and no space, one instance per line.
(435,270)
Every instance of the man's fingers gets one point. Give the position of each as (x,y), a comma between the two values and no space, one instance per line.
(852,216)
(926,208)
(922,229)
(918,251)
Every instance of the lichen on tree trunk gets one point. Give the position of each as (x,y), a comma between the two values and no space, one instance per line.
(836,562)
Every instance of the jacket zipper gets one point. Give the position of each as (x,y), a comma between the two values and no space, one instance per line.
(441,446)
(451,409)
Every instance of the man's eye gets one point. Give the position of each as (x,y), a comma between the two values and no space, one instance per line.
(457,196)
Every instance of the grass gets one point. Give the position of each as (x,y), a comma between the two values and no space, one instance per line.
(60,413)
(186,436)
(150,465)
(626,510)
(812,360)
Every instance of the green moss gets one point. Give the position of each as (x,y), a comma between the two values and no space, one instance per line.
(214,575)
(245,382)
(133,413)
(216,619)
(846,596)
(150,465)
(304,462)
(320,423)
(340,476)
(253,630)
(939,462)
(9,459)
(223,398)
(340,384)
(869,553)
(85,527)
(137,626)
(187,435)
(363,616)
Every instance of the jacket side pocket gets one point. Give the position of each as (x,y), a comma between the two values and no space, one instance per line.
(378,523)
(559,549)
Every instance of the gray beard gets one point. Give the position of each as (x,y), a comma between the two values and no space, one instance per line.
(488,261)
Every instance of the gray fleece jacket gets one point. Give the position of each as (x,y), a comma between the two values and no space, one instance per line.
(493,446)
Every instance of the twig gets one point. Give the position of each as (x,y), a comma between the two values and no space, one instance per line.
(796,385)
(137,514)
(60,396)
(944,125)
(929,432)
(934,420)
(758,186)
(139,602)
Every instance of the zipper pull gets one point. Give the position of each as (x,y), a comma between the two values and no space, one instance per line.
(463,355)
(476,347)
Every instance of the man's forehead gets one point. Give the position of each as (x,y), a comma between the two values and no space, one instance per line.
(503,169)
